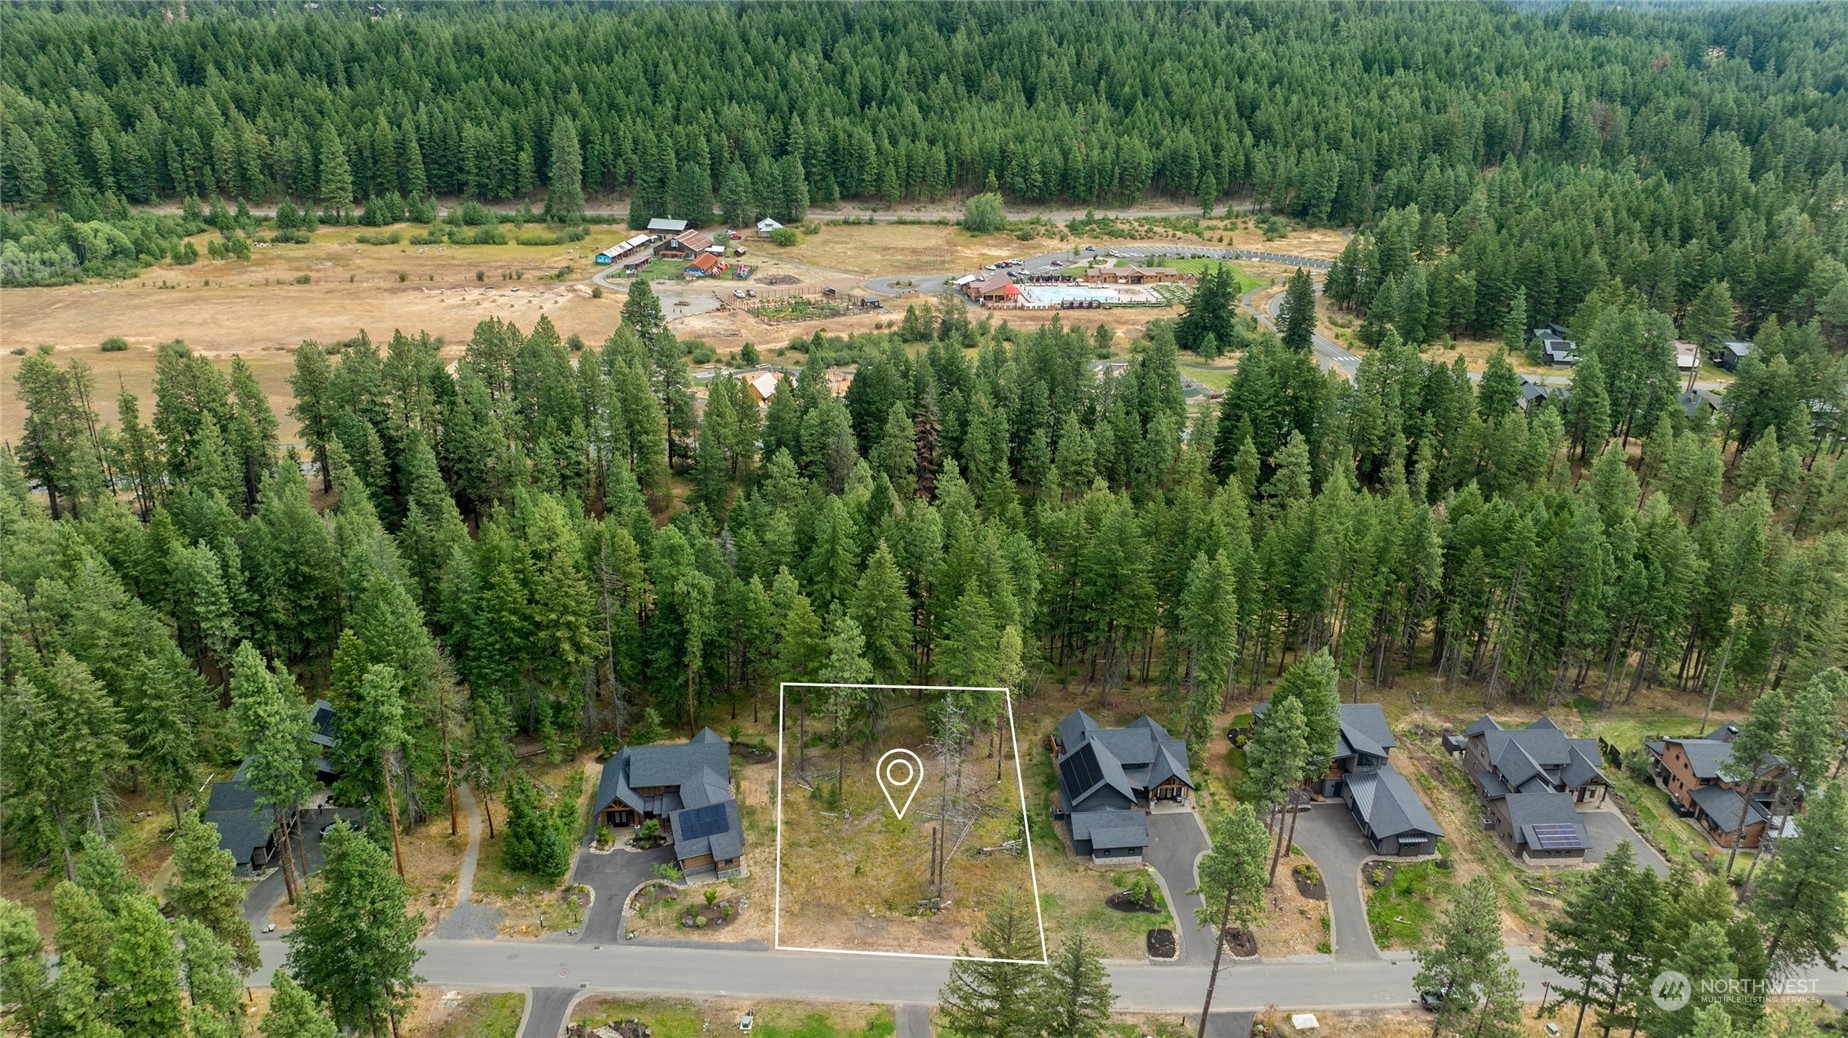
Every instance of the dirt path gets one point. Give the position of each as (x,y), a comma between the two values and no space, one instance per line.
(468,919)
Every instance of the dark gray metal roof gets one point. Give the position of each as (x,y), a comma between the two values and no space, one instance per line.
(1723,805)
(1112,830)
(1364,729)
(672,765)
(1526,810)
(1388,806)
(233,809)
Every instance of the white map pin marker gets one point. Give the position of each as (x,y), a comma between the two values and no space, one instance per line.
(900,770)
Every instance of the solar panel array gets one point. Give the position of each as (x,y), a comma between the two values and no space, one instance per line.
(702,821)
(1555,836)
(1081,771)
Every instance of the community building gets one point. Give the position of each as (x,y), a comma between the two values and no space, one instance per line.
(1692,769)
(995,288)
(662,225)
(687,786)
(705,265)
(1108,777)
(683,245)
(1532,780)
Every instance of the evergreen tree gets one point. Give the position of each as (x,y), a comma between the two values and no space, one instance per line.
(1208,615)
(1464,960)
(1800,904)
(142,993)
(1499,392)
(355,939)
(737,204)
(66,715)
(1298,313)
(1231,886)
(203,889)
(564,197)
(1074,996)
(274,733)
(993,997)
(294,1013)
(983,214)
(336,182)
(25,985)
(1603,940)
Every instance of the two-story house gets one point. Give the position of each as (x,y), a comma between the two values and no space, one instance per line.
(1533,780)
(1387,809)
(1109,776)
(1693,770)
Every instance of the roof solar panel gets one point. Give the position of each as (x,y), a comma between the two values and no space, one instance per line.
(702,821)
(1081,770)
(1552,836)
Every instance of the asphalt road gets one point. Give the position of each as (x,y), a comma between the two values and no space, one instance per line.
(1329,353)
(1140,987)
(545,1011)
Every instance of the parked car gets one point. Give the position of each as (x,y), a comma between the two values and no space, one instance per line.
(329,827)
(1431,1001)
(738,293)
(735,236)
(1058,263)
(994,266)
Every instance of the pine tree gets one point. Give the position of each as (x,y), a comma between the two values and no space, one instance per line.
(204,889)
(355,939)
(883,611)
(564,196)
(336,182)
(1604,939)
(76,731)
(992,997)
(1464,955)
(1074,996)
(294,1013)
(25,982)
(1800,905)
(142,993)
(1231,886)
(1499,392)
(274,734)
(1298,312)
(214,987)
(1208,615)
(737,203)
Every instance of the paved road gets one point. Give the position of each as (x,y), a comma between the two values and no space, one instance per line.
(1327,833)
(1176,841)
(612,876)
(1329,353)
(545,1011)
(684,971)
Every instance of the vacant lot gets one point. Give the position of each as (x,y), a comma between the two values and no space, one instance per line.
(669,1018)
(455,1014)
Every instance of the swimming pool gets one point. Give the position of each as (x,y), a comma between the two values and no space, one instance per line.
(1053,295)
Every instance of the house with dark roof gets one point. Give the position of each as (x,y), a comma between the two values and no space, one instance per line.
(1692,771)
(687,786)
(1727,353)
(322,722)
(248,832)
(1558,353)
(1387,809)
(1533,780)
(1533,391)
(1109,776)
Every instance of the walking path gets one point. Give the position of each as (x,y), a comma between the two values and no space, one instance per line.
(468,920)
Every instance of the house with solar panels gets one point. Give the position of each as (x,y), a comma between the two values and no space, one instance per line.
(1108,777)
(687,787)
(1532,780)
(1389,812)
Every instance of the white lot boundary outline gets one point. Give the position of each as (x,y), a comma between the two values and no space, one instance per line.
(1026,829)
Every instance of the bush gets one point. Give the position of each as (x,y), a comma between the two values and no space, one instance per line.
(984,213)
(785,237)
(747,354)
(650,830)
(115,344)
(596,291)
(304,279)
(481,275)
(403,277)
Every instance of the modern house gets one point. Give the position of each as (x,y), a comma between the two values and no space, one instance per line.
(1533,392)
(1533,780)
(1697,401)
(683,245)
(1387,809)
(1558,353)
(1691,769)
(1727,353)
(687,786)
(249,834)
(1109,776)
(762,386)
(322,719)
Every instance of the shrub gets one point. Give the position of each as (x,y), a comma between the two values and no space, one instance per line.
(18,351)
(667,871)
(596,291)
(403,277)
(984,213)
(712,896)
(304,279)
(785,236)
(114,344)
(650,831)
(747,354)
(481,275)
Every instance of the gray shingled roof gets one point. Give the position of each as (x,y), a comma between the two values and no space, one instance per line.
(1142,755)
(673,765)
(1722,805)
(1364,728)
(1088,770)
(1388,806)
(1538,755)
(1526,810)
(232,809)
(1111,830)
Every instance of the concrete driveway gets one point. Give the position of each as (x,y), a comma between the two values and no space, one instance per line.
(1605,828)
(611,877)
(1327,833)
(1176,841)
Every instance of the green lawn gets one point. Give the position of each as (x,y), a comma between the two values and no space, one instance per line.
(1401,911)
(667,1018)
(483,1016)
